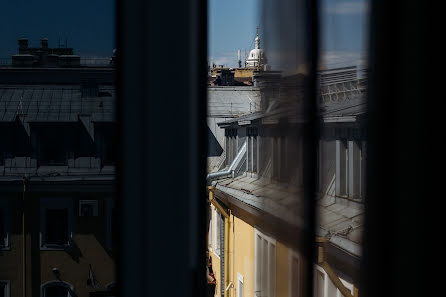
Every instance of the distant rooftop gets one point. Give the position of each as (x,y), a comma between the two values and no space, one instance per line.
(48,57)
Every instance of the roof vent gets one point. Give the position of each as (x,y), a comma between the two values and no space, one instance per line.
(44,43)
(23,43)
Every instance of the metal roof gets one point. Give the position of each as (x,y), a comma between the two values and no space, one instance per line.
(55,103)
(228,102)
(339,219)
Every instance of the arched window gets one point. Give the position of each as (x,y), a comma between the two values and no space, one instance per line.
(56,289)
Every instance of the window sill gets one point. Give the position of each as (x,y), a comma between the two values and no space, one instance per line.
(5,248)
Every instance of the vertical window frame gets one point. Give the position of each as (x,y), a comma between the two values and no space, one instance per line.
(269,274)
(7,288)
(5,208)
(240,292)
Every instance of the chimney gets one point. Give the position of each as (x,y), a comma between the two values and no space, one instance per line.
(239,59)
(23,43)
(44,42)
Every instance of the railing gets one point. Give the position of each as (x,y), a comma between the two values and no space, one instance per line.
(5,61)
(95,61)
(342,91)
(83,61)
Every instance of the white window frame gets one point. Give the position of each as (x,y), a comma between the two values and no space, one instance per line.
(327,279)
(55,283)
(6,209)
(211,229)
(271,262)
(342,165)
(252,154)
(55,203)
(216,250)
(292,254)
(240,280)
(350,159)
(7,290)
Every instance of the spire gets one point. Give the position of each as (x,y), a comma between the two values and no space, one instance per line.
(257,39)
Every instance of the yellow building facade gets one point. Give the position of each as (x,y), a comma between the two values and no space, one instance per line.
(248,261)
(254,261)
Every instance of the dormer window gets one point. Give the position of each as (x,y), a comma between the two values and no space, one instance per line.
(231,145)
(252,150)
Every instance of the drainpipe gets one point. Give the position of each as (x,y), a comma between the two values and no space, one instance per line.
(215,175)
(227,256)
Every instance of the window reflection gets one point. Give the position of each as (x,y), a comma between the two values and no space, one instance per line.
(260,181)
(57,154)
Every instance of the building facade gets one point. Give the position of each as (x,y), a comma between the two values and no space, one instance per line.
(57,175)
(257,202)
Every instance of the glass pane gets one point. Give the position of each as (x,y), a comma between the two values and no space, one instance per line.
(57,113)
(56,226)
(258,92)
(342,113)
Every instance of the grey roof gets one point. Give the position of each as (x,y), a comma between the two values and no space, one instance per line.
(339,219)
(54,103)
(227,102)
(279,200)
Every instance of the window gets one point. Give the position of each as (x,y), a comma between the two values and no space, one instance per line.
(231,145)
(341,168)
(57,289)
(252,150)
(219,226)
(210,228)
(56,223)
(55,144)
(239,285)
(319,283)
(88,208)
(350,168)
(56,231)
(265,265)
(4,288)
(324,287)
(4,225)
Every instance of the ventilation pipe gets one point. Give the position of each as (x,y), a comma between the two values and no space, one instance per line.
(229,171)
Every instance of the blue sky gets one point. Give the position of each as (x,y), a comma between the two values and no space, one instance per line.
(232,26)
(88,25)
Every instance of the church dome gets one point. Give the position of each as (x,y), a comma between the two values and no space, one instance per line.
(256,56)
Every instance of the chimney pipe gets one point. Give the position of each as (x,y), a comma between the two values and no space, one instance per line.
(239,60)
(23,43)
(44,42)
